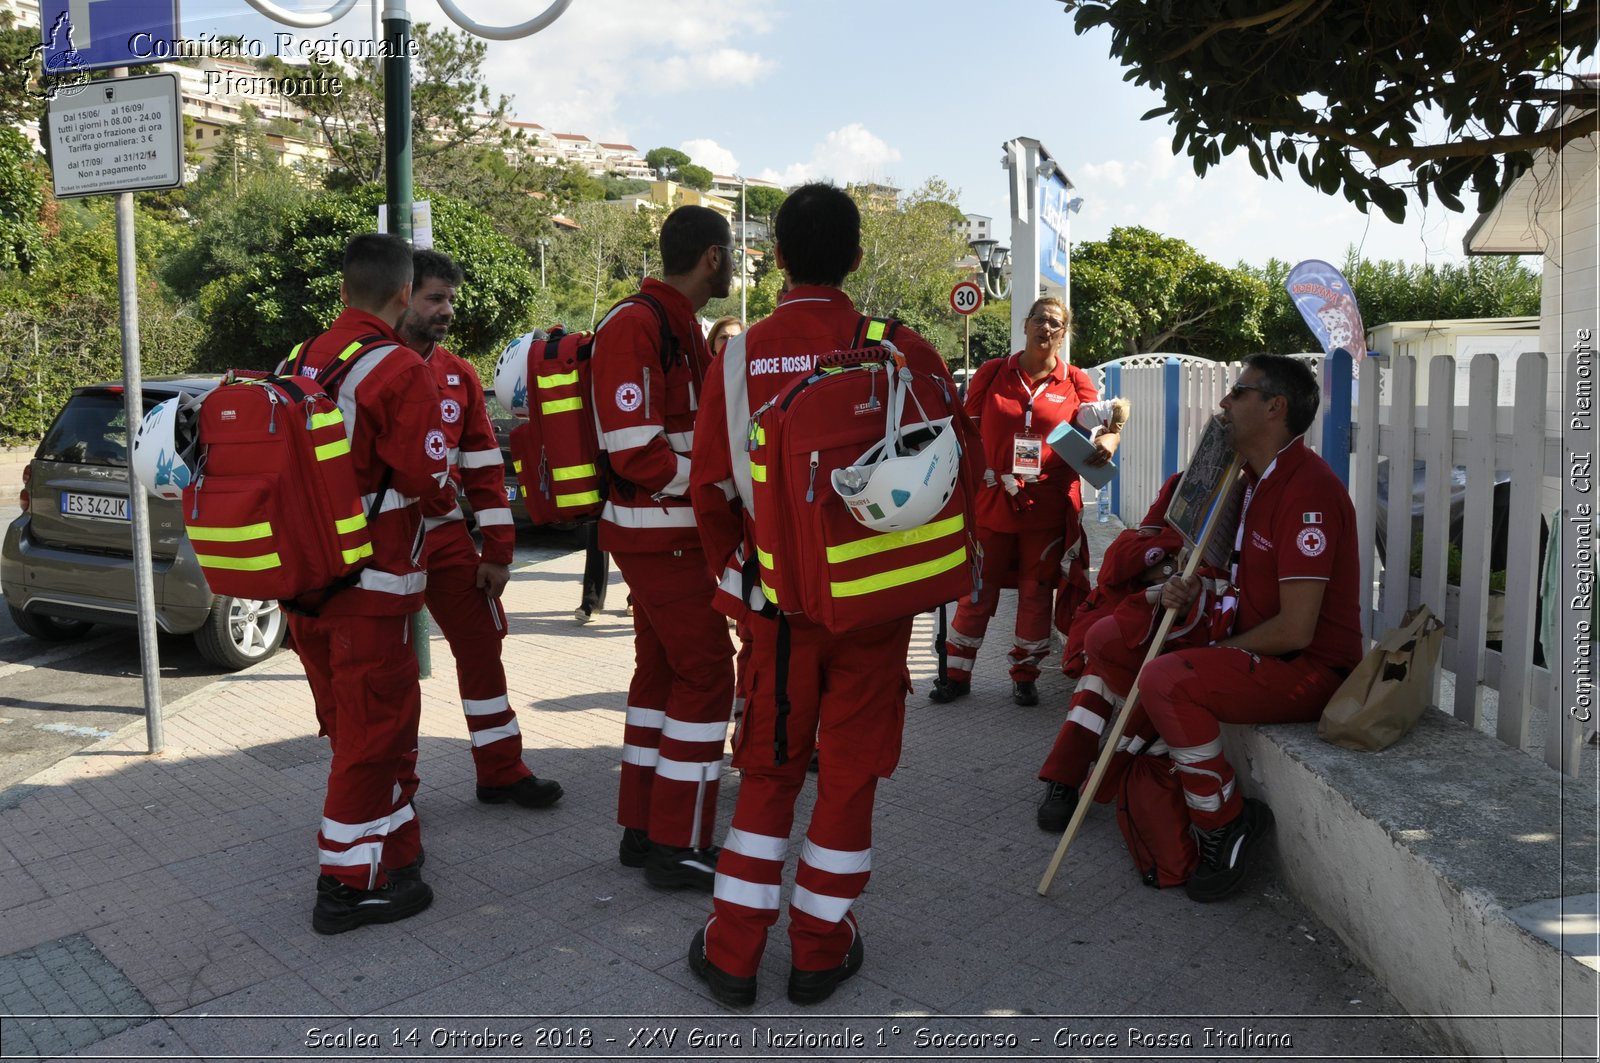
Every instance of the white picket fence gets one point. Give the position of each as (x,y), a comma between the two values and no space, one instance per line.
(1173,396)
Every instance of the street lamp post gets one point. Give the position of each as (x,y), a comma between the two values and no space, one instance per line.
(992,262)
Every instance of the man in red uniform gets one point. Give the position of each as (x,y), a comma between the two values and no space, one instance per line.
(649,367)
(356,649)
(464,585)
(1297,631)
(847,692)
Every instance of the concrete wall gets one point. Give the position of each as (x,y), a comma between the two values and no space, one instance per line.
(1417,854)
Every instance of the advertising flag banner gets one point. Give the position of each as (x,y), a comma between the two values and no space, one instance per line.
(1325,300)
(1054,196)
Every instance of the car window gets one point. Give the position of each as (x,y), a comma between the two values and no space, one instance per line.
(91,430)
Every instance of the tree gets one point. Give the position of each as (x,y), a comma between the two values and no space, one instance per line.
(762,203)
(696,177)
(1487,286)
(602,261)
(665,161)
(21,202)
(909,261)
(1342,91)
(291,289)
(450,107)
(1138,291)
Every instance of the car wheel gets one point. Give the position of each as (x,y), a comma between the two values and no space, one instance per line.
(239,632)
(49,628)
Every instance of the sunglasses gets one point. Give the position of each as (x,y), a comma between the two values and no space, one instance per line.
(1237,391)
(1053,326)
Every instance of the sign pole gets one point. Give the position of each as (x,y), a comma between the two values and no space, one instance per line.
(966,350)
(144,595)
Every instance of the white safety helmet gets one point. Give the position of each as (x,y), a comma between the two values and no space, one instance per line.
(163,447)
(511,374)
(902,483)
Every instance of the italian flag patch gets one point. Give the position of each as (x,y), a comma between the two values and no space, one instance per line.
(1311,518)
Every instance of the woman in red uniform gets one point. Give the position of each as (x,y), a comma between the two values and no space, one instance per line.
(1028,513)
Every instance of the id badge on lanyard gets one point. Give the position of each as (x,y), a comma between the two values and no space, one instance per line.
(1027,448)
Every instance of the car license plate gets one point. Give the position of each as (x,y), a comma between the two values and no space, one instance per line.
(105,507)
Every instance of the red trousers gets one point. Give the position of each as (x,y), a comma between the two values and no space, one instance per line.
(474,625)
(1188,693)
(847,699)
(363,676)
(678,702)
(1034,555)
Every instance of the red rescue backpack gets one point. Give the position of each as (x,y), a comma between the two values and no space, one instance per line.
(814,558)
(1155,822)
(556,453)
(274,510)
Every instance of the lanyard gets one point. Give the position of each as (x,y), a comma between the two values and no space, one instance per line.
(1027,416)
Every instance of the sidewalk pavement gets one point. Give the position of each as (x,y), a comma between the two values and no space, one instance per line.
(160,905)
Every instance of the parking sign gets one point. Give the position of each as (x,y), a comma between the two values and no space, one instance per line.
(87,34)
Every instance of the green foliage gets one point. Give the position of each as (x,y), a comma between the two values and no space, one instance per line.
(233,226)
(1138,291)
(617,187)
(665,161)
(1338,92)
(1452,565)
(60,322)
(991,331)
(19,92)
(450,107)
(908,262)
(763,203)
(291,289)
(1487,286)
(696,177)
(22,183)
(607,255)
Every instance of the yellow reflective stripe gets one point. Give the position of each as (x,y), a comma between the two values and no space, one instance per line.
(898,577)
(357,553)
(516,466)
(350,524)
(561,405)
(348,351)
(243,533)
(333,450)
(771,595)
(558,380)
(294,352)
(240,564)
(761,435)
(572,472)
(877,544)
(765,559)
(582,499)
(323,420)
(758,473)
(875,330)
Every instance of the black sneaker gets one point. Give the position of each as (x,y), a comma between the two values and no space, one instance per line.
(1055,811)
(669,867)
(635,847)
(1226,852)
(729,990)
(530,791)
(947,690)
(813,987)
(412,870)
(1025,693)
(340,907)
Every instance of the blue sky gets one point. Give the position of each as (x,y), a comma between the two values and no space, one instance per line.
(895,91)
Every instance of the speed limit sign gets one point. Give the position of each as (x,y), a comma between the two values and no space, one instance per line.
(966,298)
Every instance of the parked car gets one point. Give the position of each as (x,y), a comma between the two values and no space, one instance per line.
(66,563)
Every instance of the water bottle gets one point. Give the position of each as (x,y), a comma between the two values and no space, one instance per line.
(1103,504)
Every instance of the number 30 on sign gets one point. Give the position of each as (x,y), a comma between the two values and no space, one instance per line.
(966,298)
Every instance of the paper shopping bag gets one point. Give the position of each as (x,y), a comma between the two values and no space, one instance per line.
(1386,694)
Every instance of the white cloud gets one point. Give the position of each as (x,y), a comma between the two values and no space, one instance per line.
(567,81)
(850,153)
(711,155)
(1112,173)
